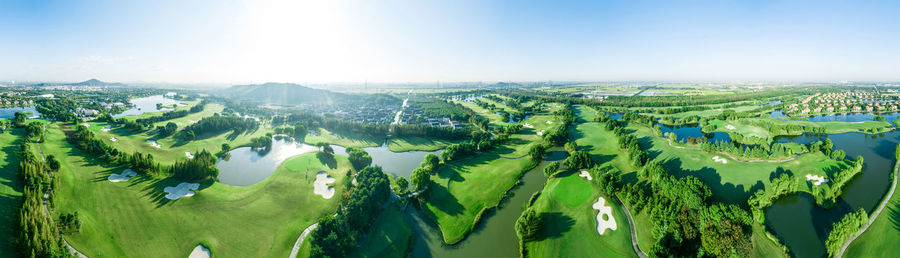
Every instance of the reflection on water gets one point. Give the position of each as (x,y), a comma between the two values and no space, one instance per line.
(147,104)
(10,113)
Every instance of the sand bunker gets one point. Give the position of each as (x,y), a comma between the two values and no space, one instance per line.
(541,132)
(199,252)
(106,128)
(320,186)
(730,127)
(154,144)
(86,125)
(113,139)
(585,174)
(528,125)
(610,222)
(181,190)
(188,155)
(817,180)
(549,122)
(718,159)
(124,176)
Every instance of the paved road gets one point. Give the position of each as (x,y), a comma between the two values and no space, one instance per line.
(300,239)
(634,240)
(874,216)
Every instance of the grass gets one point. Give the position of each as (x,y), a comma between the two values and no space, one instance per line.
(133,219)
(490,115)
(344,139)
(742,127)
(584,113)
(762,245)
(462,190)
(570,222)
(754,126)
(883,233)
(10,190)
(390,237)
(418,144)
(172,149)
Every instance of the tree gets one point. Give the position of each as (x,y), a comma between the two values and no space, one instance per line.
(420,178)
(403,184)
(52,162)
(431,162)
(19,119)
(551,168)
(359,158)
(528,225)
(226,147)
(536,152)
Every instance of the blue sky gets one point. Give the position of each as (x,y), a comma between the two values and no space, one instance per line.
(427,41)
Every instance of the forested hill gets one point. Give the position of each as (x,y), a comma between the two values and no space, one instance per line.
(281,93)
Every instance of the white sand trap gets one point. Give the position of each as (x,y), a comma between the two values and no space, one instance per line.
(124,176)
(113,139)
(730,127)
(718,159)
(528,125)
(549,122)
(86,125)
(817,180)
(189,155)
(199,252)
(610,222)
(541,132)
(106,128)
(154,144)
(181,190)
(585,174)
(320,186)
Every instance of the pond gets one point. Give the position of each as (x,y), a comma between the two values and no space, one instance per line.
(843,117)
(9,113)
(693,131)
(245,166)
(147,104)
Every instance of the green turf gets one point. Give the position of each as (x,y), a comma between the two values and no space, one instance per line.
(10,190)
(344,139)
(572,191)
(490,115)
(763,246)
(883,233)
(133,219)
(571,230)
(418,144)
(390,237)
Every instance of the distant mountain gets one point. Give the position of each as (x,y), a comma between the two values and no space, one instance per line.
(95,82)
(281,93)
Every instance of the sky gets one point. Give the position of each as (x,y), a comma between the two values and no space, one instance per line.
(426,41)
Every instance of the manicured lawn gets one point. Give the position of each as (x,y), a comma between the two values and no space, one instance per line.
(584,113)
(344,139)
(762,245)
(570,222)
(389,237)
(418,144)
(491,116)
(10,190)
(463,189)
(172,149)
(745,129)
(882,236)
(735,181)
(756,126)
(601,144)
(133,219)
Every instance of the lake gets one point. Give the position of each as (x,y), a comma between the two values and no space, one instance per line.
(147,104)
(9,113)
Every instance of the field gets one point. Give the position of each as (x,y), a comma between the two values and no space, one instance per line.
(462,190)
(418,144)
(584,113)
(346,140)
(570,223)
(735,181)
(753,126)
(133,219)
(10,190)
(389,237)
(884,232)
(491,116)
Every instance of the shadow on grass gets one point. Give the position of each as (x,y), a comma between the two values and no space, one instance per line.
(441,198)
(555,224)
(327,159)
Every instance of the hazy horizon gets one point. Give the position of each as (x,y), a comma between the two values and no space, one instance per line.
(237,42)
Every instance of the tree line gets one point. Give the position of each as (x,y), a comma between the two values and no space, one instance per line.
(38,234)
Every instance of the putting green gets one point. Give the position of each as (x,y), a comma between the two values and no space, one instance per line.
(572,190)
(133,219)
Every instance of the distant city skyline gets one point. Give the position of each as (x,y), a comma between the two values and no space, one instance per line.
(314,42)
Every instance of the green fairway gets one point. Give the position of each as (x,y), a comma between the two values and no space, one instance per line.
(171,149)
(389,237)
(462,190)
(884,232)
(10,190)
(491,116)
(418,144)
(735,181)
(345,139)
(601,144)
(584,113)
(569,227)
(757,127)
(133,218)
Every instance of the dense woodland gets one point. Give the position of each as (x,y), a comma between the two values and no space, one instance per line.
(337,235)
